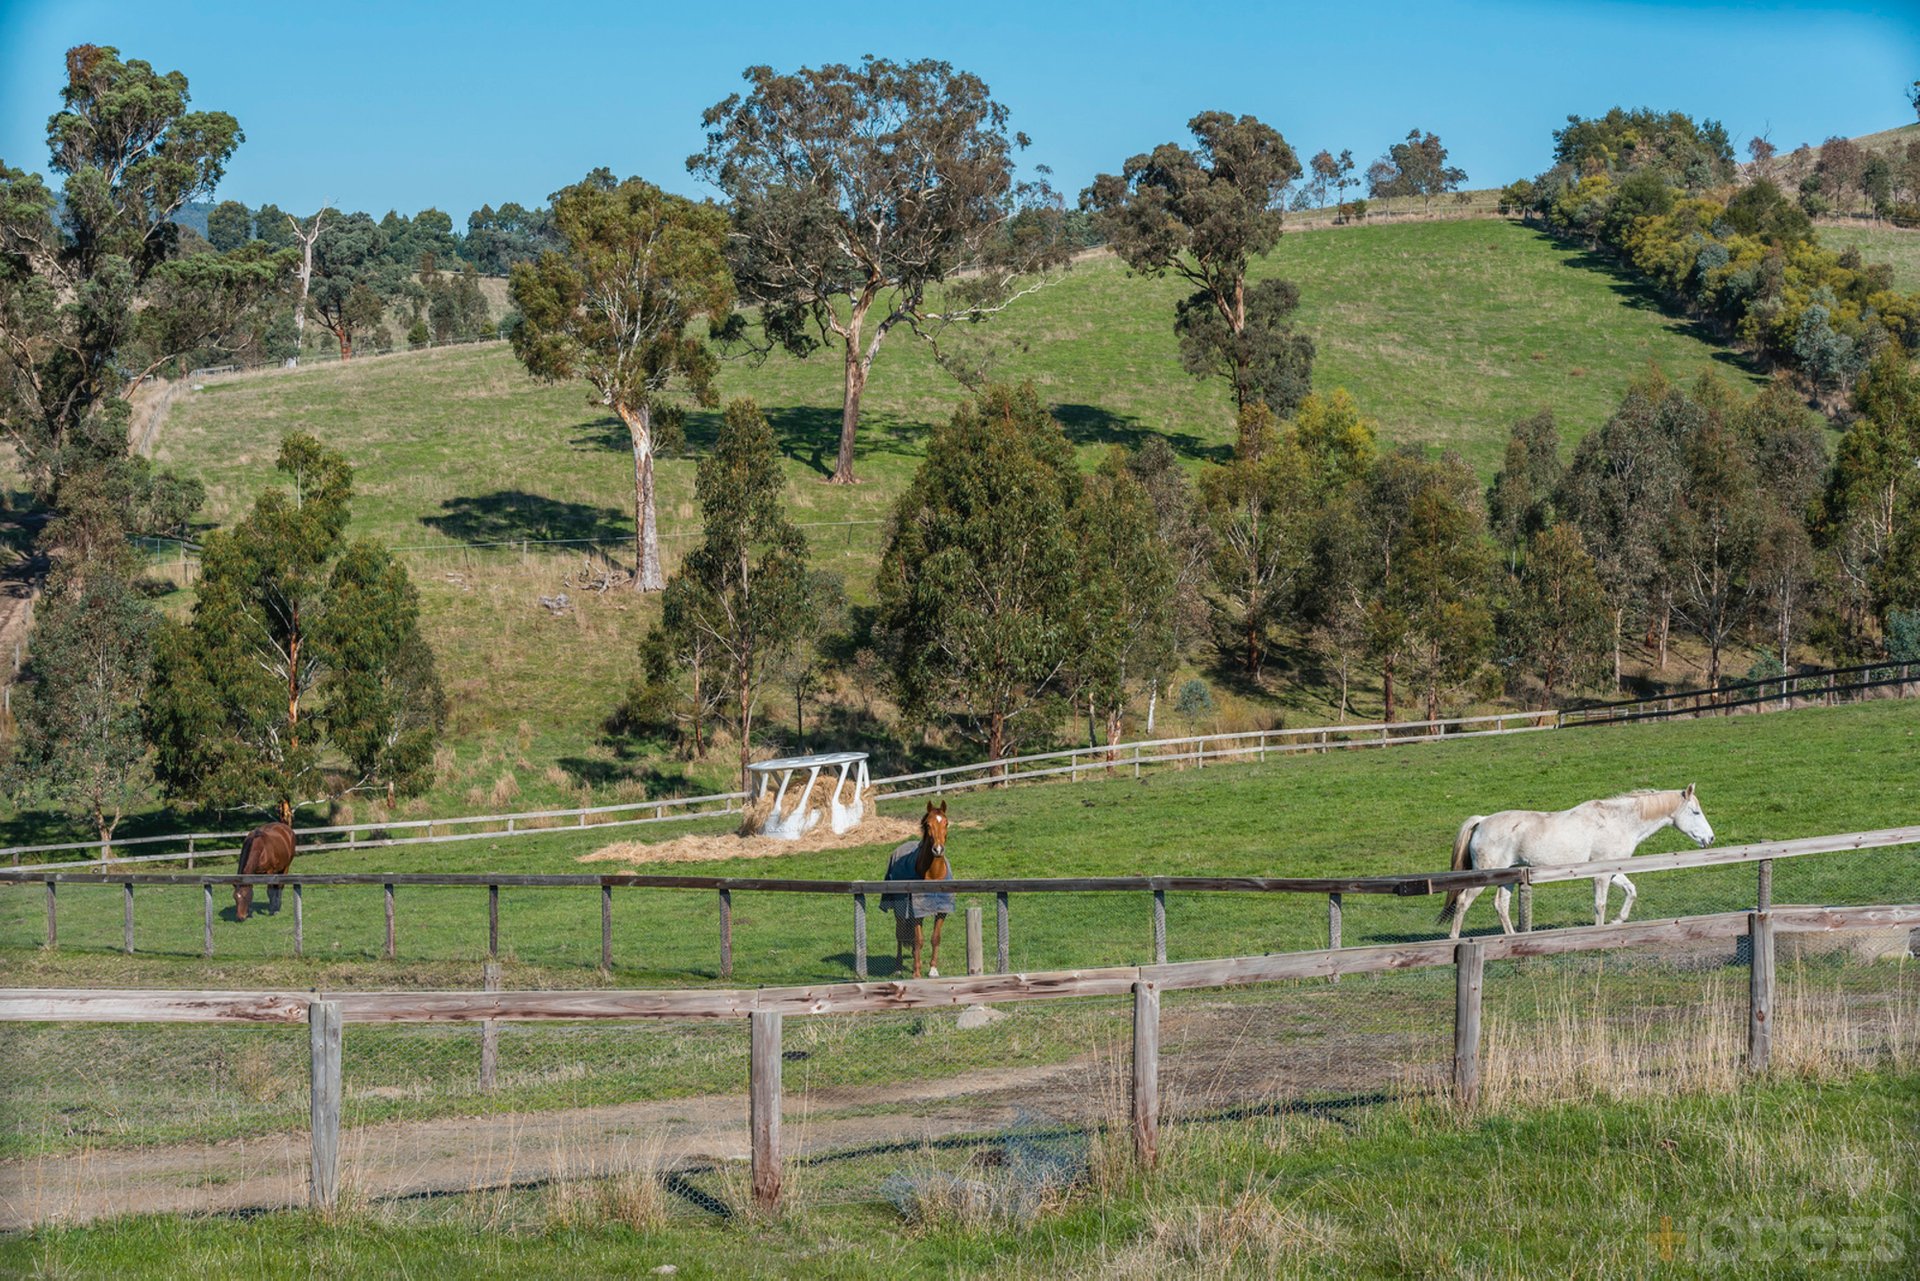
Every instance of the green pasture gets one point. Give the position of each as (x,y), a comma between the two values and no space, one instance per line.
(1788,1177)
(1883,243)
(1359,812)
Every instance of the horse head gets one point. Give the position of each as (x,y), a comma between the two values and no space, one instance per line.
(1692,820)
(933,843)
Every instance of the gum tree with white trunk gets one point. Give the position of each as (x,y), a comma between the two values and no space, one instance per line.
(613,306)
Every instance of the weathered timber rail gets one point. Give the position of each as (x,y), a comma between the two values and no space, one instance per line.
(1825,687)
(1762,855)
(326,1013)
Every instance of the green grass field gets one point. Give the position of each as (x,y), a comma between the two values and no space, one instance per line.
(1888,244)
(1785,1178)
(1782,775)
(1446,332)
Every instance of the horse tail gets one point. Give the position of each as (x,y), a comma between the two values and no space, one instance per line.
(1462,860)
(246,848)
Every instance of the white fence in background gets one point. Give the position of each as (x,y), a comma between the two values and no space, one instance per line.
(1826,687)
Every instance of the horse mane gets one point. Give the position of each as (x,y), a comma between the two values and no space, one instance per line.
(1653,802)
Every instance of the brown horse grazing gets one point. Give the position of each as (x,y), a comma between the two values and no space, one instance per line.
(267,851)
(922,860)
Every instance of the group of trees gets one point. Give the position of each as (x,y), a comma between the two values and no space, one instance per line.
(304,657)
(1662,192)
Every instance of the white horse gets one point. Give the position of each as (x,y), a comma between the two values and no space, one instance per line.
(1595,830)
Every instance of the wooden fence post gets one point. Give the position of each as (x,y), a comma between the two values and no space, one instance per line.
(389,949)
(976,949)
(1526,906)
(299,922)
(606,928)
(1763,899)
(763,1108)
(1146,1072)
(53,919)
(1760,1008)
(206,915)
(323,1018)
(489,1031)
(126,918)
(1159,927)
(1000,948)
(1469,963)
(860,936)
(726,933)
(493,921)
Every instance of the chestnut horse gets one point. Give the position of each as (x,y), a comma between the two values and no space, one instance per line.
(267,851)
(922,860)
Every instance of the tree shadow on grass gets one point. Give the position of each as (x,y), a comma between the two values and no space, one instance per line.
(1092,425)
(509,515)
(1641,295)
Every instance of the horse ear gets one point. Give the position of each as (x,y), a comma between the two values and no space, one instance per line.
(1690,787)
(943,807)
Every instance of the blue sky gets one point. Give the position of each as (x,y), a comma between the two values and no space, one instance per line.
(404,105)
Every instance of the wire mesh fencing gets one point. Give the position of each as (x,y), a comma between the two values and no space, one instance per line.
(98,1120)
(1048,1087)
(519,1118)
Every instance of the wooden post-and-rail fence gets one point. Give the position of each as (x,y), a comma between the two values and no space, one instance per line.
(1761,855)
(1828,686)
(327,1013)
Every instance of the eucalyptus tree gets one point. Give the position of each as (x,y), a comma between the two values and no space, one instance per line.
(75,270)
(869,197)
(745,601)
(1203,214)
(302,649)
(638,266)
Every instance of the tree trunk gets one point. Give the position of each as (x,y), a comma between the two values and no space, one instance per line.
(1386,672)
(1153,704)
(856,386)
(997,738)
(1619,622)
(699,703)
(647,576)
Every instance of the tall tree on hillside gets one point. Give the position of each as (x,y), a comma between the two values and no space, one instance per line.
(1421,165)
(857,192)
(74,272)
(748,599)
(614,307)
(1520,500)
(978,582)
(352,280)
(1714,537)
(1257,507)
(77,703)
(1618,492)
(1126,592)
(1556,616)
(1182,534)
(306,237)
(1871,508)
(300,649)
(1204,214)
(229,225)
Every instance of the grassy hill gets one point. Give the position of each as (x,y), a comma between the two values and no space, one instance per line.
(1446,332)
(1884,243)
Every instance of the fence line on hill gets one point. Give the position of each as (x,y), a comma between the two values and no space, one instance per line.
(1761,854)
(1828,686)
(1770,1013)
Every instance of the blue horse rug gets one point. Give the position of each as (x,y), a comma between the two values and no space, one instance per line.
(907,906)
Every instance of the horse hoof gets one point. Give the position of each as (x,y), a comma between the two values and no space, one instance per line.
(933,972)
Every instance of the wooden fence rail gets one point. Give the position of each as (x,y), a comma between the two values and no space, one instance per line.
(1761,854)
(1197,750)
(326,1013)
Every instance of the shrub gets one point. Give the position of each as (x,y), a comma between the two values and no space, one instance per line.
(1195,699)
(1903,635)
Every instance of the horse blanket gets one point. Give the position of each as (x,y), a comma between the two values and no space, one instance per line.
(907,906)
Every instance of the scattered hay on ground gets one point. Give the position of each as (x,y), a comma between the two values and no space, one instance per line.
(875,830)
